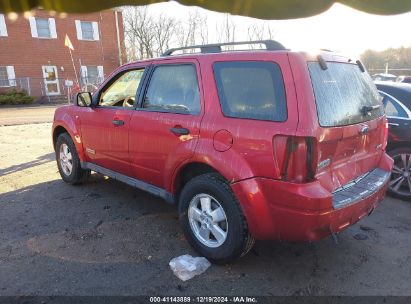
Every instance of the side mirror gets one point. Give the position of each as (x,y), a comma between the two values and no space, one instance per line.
(84,99)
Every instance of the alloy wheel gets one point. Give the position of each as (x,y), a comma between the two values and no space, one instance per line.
(66,159)
(208,220)
(401,174)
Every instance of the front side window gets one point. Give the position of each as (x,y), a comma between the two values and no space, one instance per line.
(87,30)
(43,28)
(173,88)
(251,90)
(122,92)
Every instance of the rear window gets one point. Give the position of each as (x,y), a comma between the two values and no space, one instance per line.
(341,92)
(251,89)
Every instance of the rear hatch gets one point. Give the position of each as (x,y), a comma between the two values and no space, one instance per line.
(352,123)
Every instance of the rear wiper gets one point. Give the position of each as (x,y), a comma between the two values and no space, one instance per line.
(367,109)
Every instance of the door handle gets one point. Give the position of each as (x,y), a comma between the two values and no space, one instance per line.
(180,131)
(118,122)
(393,124)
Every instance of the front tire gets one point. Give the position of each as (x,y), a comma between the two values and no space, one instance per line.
(400,183)
(212,219)
(68,161)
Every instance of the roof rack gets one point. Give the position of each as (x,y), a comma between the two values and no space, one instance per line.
(270,45)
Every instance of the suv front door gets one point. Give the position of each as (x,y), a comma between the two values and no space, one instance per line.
(165,126)
(106,125)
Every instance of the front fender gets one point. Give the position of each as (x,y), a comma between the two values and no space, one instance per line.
(68,119)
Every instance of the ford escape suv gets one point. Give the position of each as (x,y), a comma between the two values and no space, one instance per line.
(255,144)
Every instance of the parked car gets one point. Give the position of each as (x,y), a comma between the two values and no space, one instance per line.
(397,103)
(405,79)
(384,77)
(262,144)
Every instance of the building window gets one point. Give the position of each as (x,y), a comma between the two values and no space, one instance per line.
(92,71)
(4,79)
(92,75)
(87,30)
(7,76)
(43,27)
(3,28)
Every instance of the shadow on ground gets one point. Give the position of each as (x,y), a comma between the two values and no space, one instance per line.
(36,162)
(106,238)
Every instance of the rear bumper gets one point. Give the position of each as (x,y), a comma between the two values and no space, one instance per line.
(305,212)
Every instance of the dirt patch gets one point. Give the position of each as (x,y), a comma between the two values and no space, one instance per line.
(113,242)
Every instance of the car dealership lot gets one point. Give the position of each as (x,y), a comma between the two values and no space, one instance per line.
(106,238)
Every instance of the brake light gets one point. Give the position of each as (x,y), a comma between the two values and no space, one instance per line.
(385,139)
(298,160)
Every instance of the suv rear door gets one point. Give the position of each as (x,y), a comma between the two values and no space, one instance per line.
(351,123)
(165,126)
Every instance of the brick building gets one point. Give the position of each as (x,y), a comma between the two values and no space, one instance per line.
(33,55)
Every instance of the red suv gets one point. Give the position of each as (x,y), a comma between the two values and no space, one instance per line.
(261,144)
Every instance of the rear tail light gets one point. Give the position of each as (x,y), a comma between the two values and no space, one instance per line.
(296,158)
(384,143)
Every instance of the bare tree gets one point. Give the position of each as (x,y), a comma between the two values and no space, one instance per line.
(194,30)
(164,31)
(146,35)
(226,29)
(149,35)
(260,31)
(138,32)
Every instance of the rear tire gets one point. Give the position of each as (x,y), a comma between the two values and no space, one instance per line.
(68,161)
(221,233)
(400,183)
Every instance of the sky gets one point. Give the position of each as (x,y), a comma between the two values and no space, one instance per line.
(341,28)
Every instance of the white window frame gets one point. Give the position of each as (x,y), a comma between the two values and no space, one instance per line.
(3,27)
(56,81)
(11,77)
(52,28)
(79,31)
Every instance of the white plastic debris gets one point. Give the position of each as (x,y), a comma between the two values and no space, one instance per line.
(185,267)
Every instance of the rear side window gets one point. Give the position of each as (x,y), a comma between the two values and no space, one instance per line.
(173,88)
(342,92)
(251,89)
(392,108)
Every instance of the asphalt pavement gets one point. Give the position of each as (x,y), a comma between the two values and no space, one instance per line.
(106,238)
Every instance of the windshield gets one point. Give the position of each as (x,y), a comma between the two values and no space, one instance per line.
(344,95)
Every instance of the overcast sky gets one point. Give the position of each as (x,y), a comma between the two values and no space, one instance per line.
(341,28)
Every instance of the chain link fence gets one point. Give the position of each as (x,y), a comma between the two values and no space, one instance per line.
(48,90)
(18,84)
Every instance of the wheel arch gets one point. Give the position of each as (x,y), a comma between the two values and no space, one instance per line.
(188,171)
(60,127)
(56,133)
